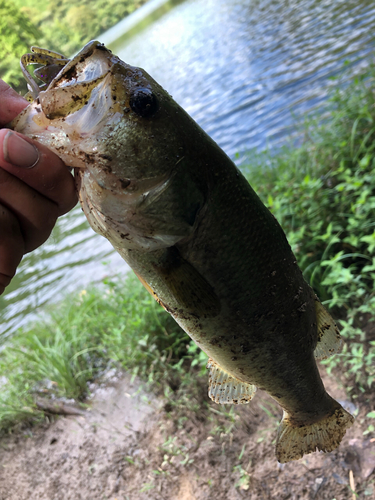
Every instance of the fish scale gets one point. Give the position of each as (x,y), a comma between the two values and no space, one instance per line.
(198,237)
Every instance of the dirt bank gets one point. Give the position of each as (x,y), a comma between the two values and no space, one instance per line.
(128,447)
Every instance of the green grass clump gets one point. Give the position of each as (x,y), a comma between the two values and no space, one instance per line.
(323,194)
(118,325)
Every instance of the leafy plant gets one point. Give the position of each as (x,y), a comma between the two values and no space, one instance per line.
(371,428)
(18,32)
(59,25)
(118,325)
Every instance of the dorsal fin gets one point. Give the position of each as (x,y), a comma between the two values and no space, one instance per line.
(329,338)
(225,389)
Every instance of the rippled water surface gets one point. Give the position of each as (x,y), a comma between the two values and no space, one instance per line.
(246,71)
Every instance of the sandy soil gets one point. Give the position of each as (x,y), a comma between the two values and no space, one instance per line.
(128,447)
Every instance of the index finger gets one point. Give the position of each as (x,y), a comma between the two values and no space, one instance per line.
(11,103)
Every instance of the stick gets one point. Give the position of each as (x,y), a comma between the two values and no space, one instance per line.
(352,484)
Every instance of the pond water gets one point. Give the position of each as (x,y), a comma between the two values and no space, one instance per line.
(246,70)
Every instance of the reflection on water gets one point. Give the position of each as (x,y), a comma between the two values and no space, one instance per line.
(72,257)
(246,70)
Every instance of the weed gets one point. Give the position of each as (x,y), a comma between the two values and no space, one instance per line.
(225,421)
(147,487)
(271,410)
(371,428)
(172,450)
(244,481)
(244,478)
(81,340)
(170,447)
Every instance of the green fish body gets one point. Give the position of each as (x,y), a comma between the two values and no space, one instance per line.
(198,237)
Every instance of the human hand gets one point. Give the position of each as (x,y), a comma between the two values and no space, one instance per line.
(35,189)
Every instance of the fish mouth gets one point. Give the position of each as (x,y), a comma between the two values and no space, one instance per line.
(72,88)
(77,104)
(91,63)
(56,69)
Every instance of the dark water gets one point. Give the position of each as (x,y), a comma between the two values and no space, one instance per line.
(247,71)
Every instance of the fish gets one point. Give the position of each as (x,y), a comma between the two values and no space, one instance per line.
(193,230)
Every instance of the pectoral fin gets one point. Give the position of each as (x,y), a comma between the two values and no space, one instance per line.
(329,338)
(173,206)
(226,389)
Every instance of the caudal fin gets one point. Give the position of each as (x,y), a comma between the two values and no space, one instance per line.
(325,435)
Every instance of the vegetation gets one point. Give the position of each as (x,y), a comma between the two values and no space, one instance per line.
(322,192)
(18,33)
(60,25)
(82,340)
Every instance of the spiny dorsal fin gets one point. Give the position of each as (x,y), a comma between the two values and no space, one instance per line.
(329,339)
(223,388)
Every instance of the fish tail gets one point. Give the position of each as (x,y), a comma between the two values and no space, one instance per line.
(294,441)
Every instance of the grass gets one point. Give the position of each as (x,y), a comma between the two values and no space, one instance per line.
(322,192)
(119,325)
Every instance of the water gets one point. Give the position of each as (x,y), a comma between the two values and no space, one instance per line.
(246,70)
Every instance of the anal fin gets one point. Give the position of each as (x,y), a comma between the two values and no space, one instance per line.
(329,338)
(226,389)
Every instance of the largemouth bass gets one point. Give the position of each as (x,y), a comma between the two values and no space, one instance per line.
(198,237)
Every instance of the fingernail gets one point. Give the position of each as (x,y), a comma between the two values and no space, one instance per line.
(19,152)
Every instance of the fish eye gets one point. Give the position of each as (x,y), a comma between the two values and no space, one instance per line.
(143,102)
